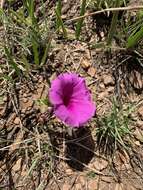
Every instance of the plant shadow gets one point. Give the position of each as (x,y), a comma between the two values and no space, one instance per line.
(79,149)
(129,74)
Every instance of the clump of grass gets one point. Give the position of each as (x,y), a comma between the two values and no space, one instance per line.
(117,20)
(60,24)
(41,158)
(113,129)
(26,40)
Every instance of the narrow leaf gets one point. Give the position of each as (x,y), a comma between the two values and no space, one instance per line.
(61,23)
(80,22)
(135,38)
(59,10)
(113,24)
(11,61)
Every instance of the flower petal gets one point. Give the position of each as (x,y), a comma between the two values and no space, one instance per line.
(80,91)
(80,112)
(61,112)
(55,93)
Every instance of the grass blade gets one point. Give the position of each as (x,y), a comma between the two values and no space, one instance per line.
(31,168)
(59,10)
(134,38)
(35,51)
(29,4)
(45,53)
(11,61)
(61,23)
(26,63)
(80,22)
(31,11)
(113,24)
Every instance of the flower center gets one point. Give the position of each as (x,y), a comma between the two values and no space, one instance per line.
(67,93)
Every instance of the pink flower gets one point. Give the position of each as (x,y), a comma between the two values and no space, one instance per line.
(71,99)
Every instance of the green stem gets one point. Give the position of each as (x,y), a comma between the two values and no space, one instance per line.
(113,24)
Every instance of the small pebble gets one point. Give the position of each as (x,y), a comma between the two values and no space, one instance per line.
(108,80)
(25,100)
(16,121)
(91,71)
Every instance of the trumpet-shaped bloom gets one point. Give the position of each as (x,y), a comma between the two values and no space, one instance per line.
(71,99)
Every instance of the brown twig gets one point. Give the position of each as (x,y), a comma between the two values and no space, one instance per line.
(135,8)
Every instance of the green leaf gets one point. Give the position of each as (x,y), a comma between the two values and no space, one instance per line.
(31,168)
(80,22)
(46,53)
(35,51)
(59,10)
(135,38)
(61,23)
(113,24)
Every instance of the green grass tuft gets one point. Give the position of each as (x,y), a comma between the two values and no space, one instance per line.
(113,129)
(26,40)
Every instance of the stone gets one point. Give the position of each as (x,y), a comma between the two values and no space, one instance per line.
(103,95)
(69,171)
(137,143)
(100,164)
(16,121)
(101,86)
(23,111)
(85,63)
(25,100)
(25,95)
(27,105)
(108,80)
(91,71)
(110,89)
(17,165)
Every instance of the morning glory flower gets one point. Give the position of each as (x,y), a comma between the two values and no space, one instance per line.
(71,100)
